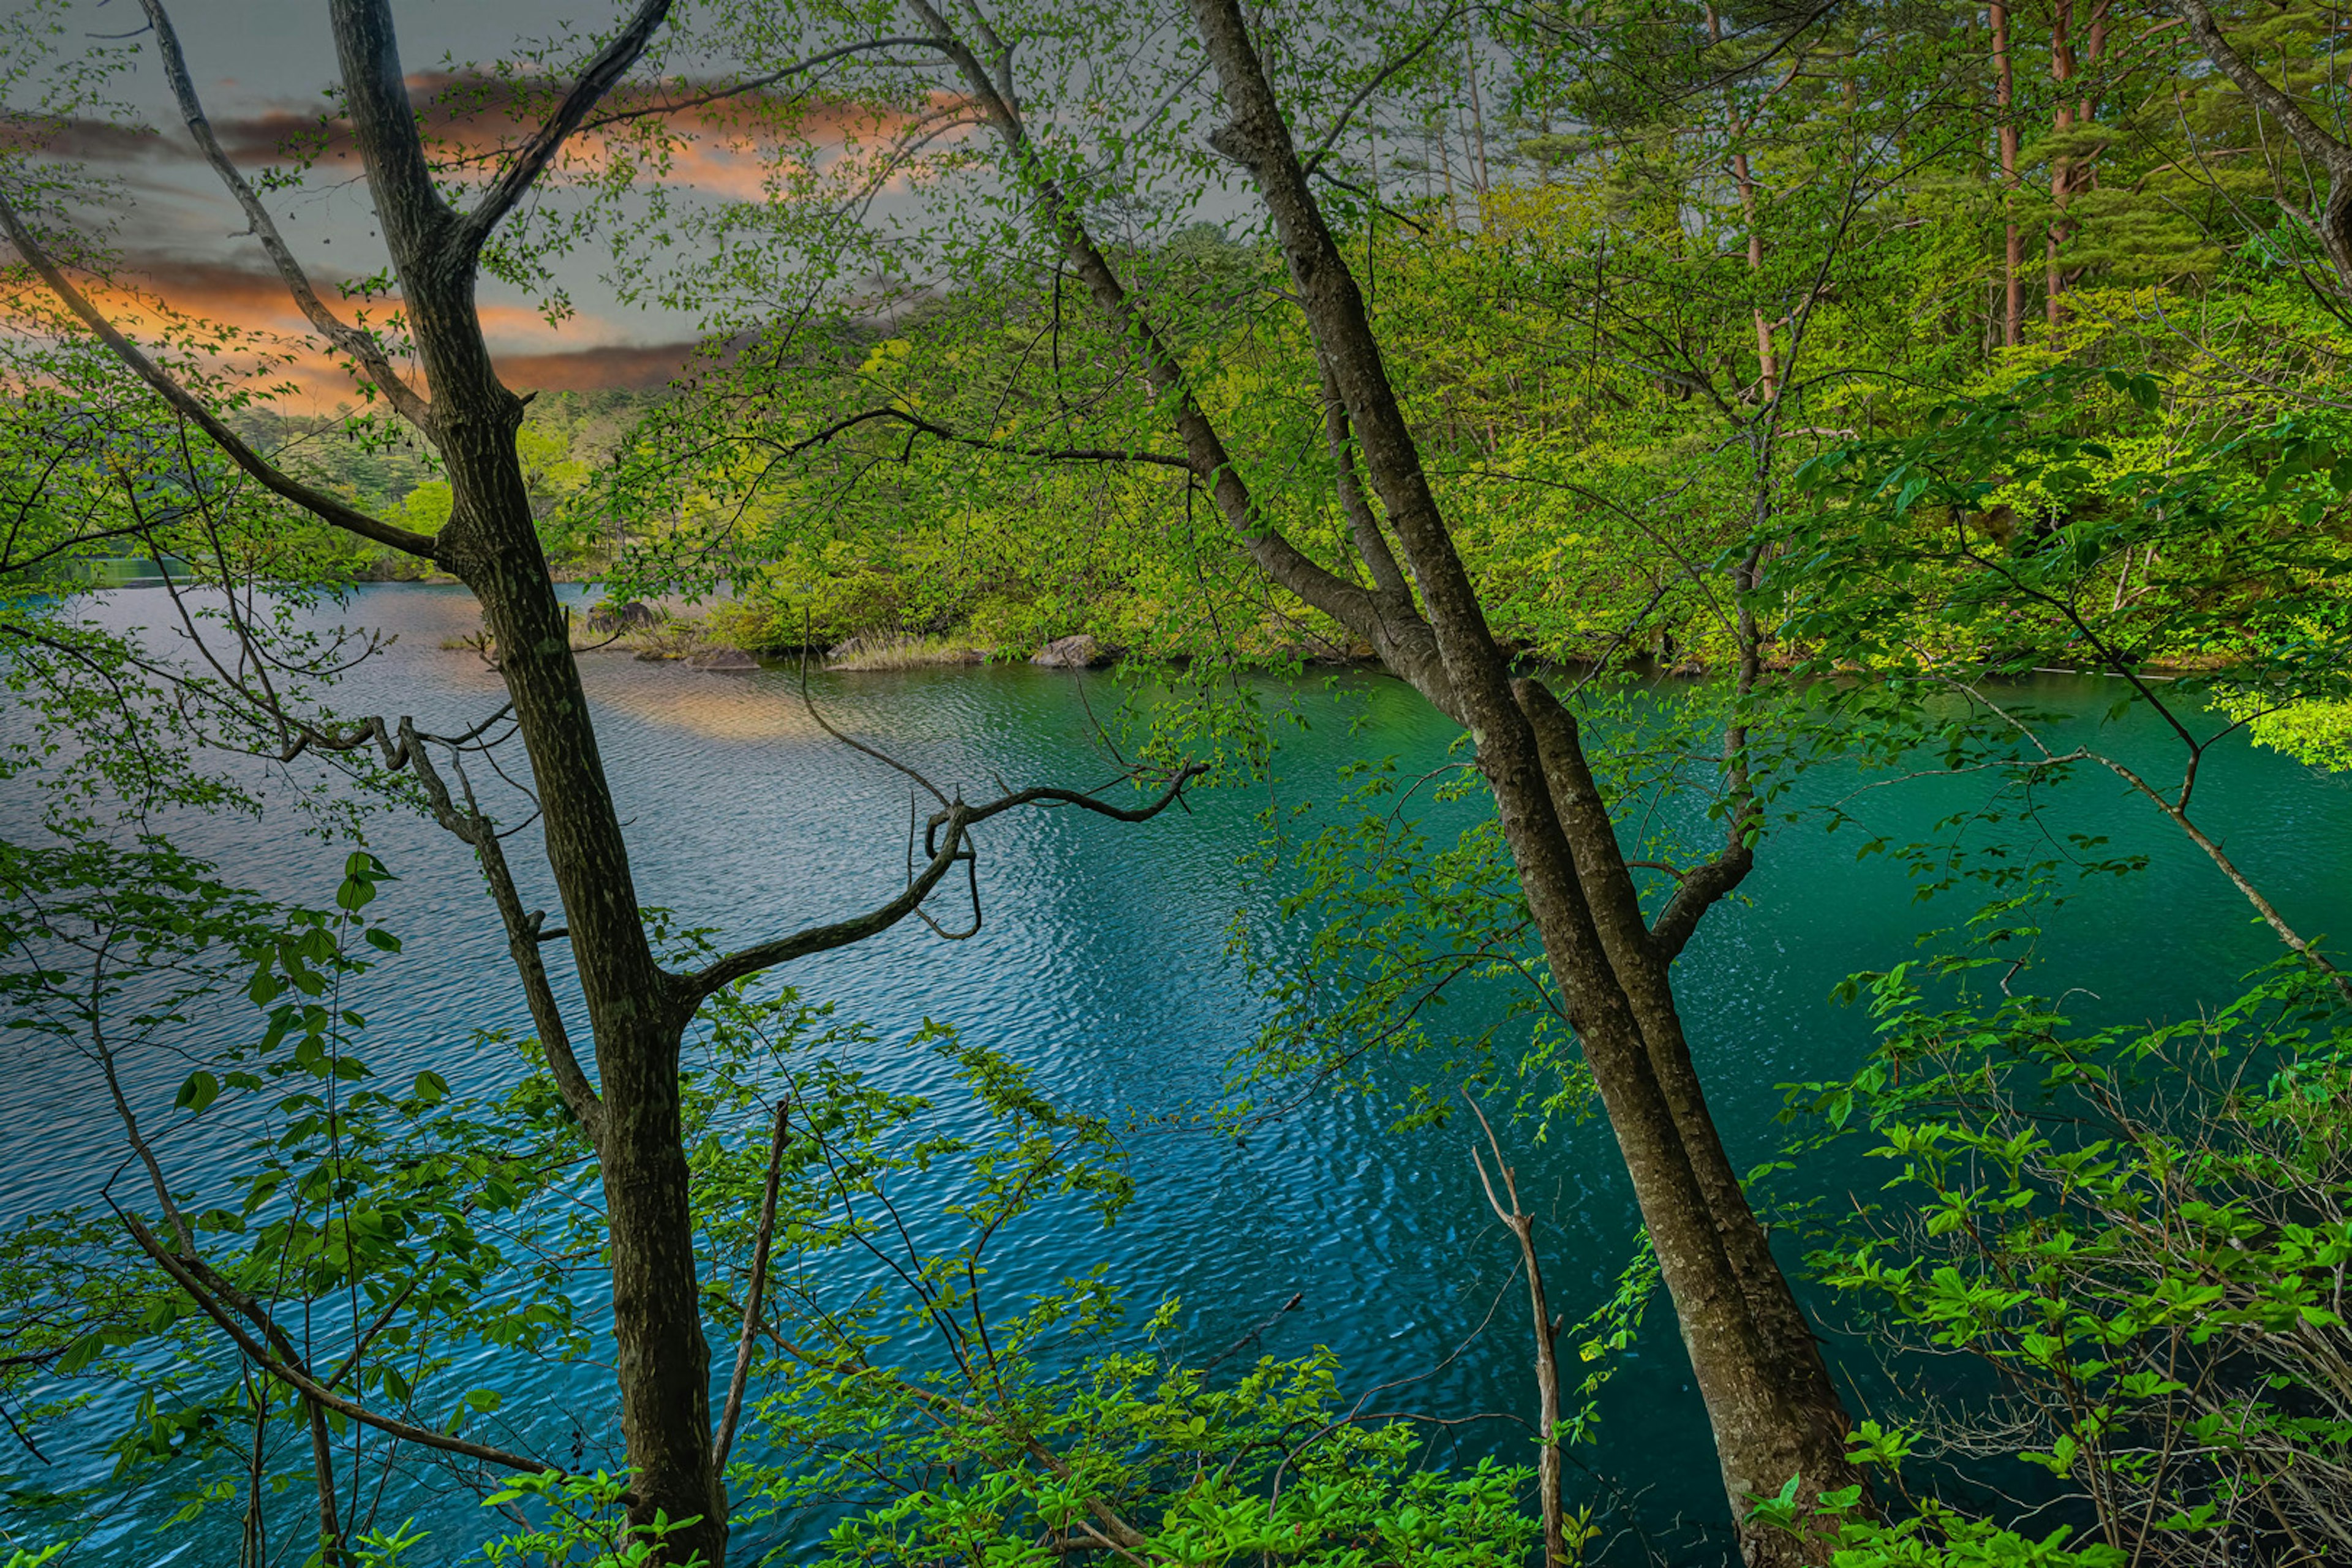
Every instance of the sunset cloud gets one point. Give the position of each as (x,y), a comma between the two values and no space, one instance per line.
(725,147)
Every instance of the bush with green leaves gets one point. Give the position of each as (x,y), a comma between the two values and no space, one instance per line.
(2141,1232)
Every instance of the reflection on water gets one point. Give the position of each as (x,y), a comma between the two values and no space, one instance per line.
(1102,964)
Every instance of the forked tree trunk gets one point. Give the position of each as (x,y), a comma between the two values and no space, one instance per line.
(662,1361)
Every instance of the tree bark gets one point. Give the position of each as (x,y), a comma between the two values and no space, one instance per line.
(2062,71)
(2013,251)
(662,1361)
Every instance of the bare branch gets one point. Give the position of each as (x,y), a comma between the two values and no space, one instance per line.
(841,933)
(361,345)
(920,426)
(754,84)
(310,1388)
(944,841)
(1314,160)
(733,1411)
(523,935)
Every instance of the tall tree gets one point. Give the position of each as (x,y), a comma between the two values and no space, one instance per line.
(636,1010)
(1774,1413)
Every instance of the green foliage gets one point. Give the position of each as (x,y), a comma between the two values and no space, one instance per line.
(2139,1229)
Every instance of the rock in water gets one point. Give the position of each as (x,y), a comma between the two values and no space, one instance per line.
(723,662)
(629,616)
(1077,652)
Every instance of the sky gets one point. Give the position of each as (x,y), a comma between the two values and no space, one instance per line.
(260,67)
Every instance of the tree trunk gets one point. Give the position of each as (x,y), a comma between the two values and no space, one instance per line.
(2013,252)
(1768,372)
(2062,188)
(662,1361)
(1772,1416)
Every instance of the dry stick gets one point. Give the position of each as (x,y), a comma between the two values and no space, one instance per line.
(733,1412)
(1522,1228)
(322,1477)
(2175,808)
(253,1544)
(2262,906)
(1296,1298)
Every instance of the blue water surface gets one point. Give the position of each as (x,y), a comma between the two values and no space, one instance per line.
(1103,965)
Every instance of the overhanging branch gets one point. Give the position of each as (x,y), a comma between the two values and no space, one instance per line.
(611,62)
(944,842)
(309,1387)
(317,503)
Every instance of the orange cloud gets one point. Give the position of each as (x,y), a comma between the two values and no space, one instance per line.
(731,147)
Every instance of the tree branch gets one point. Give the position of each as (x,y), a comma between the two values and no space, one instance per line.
(361,345)
(2315,142)
(318,504)
(944,841)
(1407,650)
(1314,161)
(732,1412)
(611,62)
(310,1388)
(841,933)
(922,425)
(2333,222)
(753,84)
(523,935)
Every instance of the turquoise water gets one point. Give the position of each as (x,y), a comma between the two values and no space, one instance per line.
(1103,966)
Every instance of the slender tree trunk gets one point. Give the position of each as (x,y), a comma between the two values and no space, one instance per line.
(322,1465)
(1766,1430)
(1477,112)
(1763,1435)
(1768,370)
(2083,173)
(2061,71)
(662,1361)
(2013,252)
(1550,1497)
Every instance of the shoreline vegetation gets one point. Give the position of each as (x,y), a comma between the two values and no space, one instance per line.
(675,634)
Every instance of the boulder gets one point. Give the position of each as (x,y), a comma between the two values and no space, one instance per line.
(722,661)
(628,617)
(1077,652)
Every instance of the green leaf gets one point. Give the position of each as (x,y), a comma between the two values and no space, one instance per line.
(81,1354)
(201,1089)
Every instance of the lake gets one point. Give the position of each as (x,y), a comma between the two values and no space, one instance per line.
(1103,965)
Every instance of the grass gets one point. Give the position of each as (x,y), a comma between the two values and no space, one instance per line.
(902,652)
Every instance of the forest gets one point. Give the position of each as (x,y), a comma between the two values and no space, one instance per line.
(1409,783)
